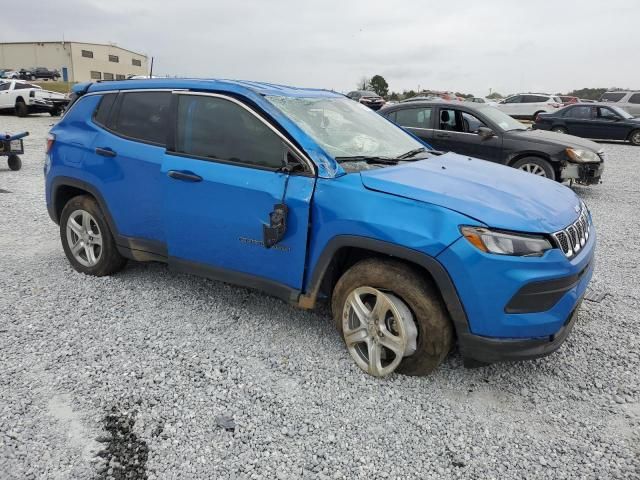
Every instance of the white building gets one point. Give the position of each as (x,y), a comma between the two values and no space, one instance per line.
(76,61)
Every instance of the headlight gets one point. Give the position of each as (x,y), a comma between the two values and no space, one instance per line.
(582,156)
(503,243)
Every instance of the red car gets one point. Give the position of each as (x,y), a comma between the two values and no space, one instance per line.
(568,100)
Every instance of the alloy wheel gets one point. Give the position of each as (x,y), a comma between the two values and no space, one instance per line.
(84,238)
(378,329)
(635,138)
(533,168)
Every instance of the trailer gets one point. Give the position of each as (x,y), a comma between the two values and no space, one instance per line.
(11,146)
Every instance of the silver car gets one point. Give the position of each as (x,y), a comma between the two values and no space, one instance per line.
(629,101)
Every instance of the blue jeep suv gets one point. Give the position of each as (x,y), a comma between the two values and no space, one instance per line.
(307,195)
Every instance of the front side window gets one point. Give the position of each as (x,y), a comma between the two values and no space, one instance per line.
(604,113)
(344,128)
(414,117)
(449,120)
(471,123)
(514,99)
(22,86)
(582,112)
(219,129)
(144,116)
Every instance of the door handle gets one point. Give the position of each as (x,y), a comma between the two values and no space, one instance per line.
(442,135)
(105,152)
(186,176)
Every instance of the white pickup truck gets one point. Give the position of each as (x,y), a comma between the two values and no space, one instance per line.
(24,98)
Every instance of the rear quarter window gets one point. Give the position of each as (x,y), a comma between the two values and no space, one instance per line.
(612,96)
(103,110)
(635,98)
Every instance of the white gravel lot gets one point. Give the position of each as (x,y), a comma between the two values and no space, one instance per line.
(154,359)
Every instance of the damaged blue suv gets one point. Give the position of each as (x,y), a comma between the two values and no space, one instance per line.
(308,195)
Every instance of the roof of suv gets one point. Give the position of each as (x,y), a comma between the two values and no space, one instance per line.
(260,88)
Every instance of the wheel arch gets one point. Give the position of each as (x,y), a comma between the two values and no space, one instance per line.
(343,251)
(20,99)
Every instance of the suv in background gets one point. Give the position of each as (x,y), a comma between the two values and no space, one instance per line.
(367,98)
(306,195)
(629,101)
(527,105)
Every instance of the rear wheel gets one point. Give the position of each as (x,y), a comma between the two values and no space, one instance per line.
(87,239)
(15,163)
(55,112)
(391,318)
(536,166)
(21,109)
(559,130)
(634,138)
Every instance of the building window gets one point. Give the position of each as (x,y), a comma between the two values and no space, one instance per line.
(114,58)
(107,76)
(87,53)
(96,75)
(136,63)
(120,77)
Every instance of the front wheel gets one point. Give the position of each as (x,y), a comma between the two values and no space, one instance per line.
(536,166)
(87,239)
(21,109)
(391,318)
(634,138)
(15,163)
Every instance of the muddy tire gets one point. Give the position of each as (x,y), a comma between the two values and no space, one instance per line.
(433,333)
(15,163)
(21,109)
(87,239)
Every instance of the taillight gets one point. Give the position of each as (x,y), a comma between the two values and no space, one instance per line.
(51,138)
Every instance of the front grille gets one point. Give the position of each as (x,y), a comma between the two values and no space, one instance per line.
(573,238)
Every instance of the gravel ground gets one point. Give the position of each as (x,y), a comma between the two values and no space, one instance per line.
(151,374)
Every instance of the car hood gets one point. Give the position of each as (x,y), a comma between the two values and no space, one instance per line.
(498,196)
(552,138)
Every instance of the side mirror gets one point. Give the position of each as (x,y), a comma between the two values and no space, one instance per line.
(485,133)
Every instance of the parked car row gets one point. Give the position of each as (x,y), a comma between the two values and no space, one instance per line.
(414,249)
(36,73)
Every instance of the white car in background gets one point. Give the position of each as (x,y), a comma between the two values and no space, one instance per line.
(528,105)
(629,101)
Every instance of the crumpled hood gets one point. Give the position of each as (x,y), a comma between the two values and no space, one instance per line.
(498,196)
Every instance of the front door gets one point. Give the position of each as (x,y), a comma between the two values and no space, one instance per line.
(457,131)
(223,178)
(607,125)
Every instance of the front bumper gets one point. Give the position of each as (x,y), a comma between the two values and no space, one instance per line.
(584,174)
(491,350)
(516,307)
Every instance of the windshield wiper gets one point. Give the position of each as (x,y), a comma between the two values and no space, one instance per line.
(412,153)
(368,159)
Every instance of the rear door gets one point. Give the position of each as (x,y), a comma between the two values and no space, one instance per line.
(577,120)
(126,156)
(417,120)
(223,176)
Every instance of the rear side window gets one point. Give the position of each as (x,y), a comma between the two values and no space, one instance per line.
(414,117)
(215,128)
(612,96)
(514,99)
(101,115)
(582,112)
(143,116)
(635,98)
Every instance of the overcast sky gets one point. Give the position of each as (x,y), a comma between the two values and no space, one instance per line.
(467,46)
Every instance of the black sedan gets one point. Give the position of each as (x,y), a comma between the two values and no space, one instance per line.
(365,97)
(596,120)
(485,132)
